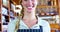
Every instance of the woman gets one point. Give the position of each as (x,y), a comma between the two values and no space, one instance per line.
(29,22)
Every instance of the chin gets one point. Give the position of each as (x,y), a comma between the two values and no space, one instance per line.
(29,11)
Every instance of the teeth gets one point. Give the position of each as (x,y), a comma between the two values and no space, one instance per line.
(29,7)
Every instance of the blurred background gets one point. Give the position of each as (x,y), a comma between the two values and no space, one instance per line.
(48,10)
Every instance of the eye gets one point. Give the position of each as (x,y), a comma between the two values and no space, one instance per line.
(25,0)
(33,0)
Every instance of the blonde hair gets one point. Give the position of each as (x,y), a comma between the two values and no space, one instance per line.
(18,21)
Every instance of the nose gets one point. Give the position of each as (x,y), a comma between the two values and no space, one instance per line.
(30,2)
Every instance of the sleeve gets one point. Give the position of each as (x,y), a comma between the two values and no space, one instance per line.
(11,26)
(46,27)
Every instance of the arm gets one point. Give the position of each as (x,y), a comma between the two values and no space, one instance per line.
(11,26)
(46,27)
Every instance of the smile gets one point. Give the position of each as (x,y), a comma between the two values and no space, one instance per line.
(30,7)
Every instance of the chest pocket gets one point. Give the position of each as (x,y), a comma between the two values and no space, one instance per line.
(31,30)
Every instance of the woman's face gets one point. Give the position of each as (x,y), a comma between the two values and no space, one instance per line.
(29,5)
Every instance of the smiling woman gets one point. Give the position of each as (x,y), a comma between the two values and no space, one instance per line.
(29,22)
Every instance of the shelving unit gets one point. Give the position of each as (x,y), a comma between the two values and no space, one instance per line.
(59,11)
(48,7)
(7,14)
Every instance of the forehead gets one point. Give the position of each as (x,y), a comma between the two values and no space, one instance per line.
(27,0)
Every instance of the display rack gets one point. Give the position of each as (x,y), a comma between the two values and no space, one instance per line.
(7,14)
(50,9)
(47,7)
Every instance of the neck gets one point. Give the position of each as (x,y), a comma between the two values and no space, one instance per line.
(29,16)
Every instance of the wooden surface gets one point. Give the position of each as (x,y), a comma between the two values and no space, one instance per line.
(54,27)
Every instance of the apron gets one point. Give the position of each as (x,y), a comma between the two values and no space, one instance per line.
(31,30)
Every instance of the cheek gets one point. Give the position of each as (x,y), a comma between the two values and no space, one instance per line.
(24,3)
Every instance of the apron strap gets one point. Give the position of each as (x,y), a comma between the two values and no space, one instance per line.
(41,29)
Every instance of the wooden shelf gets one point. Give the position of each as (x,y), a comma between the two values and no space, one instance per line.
(12,10)
(44,14)
(56,26)
(5,6)
(14,2)
(40,6)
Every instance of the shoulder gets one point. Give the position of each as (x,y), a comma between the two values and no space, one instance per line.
(13,21)
(11,25)
(42,22)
